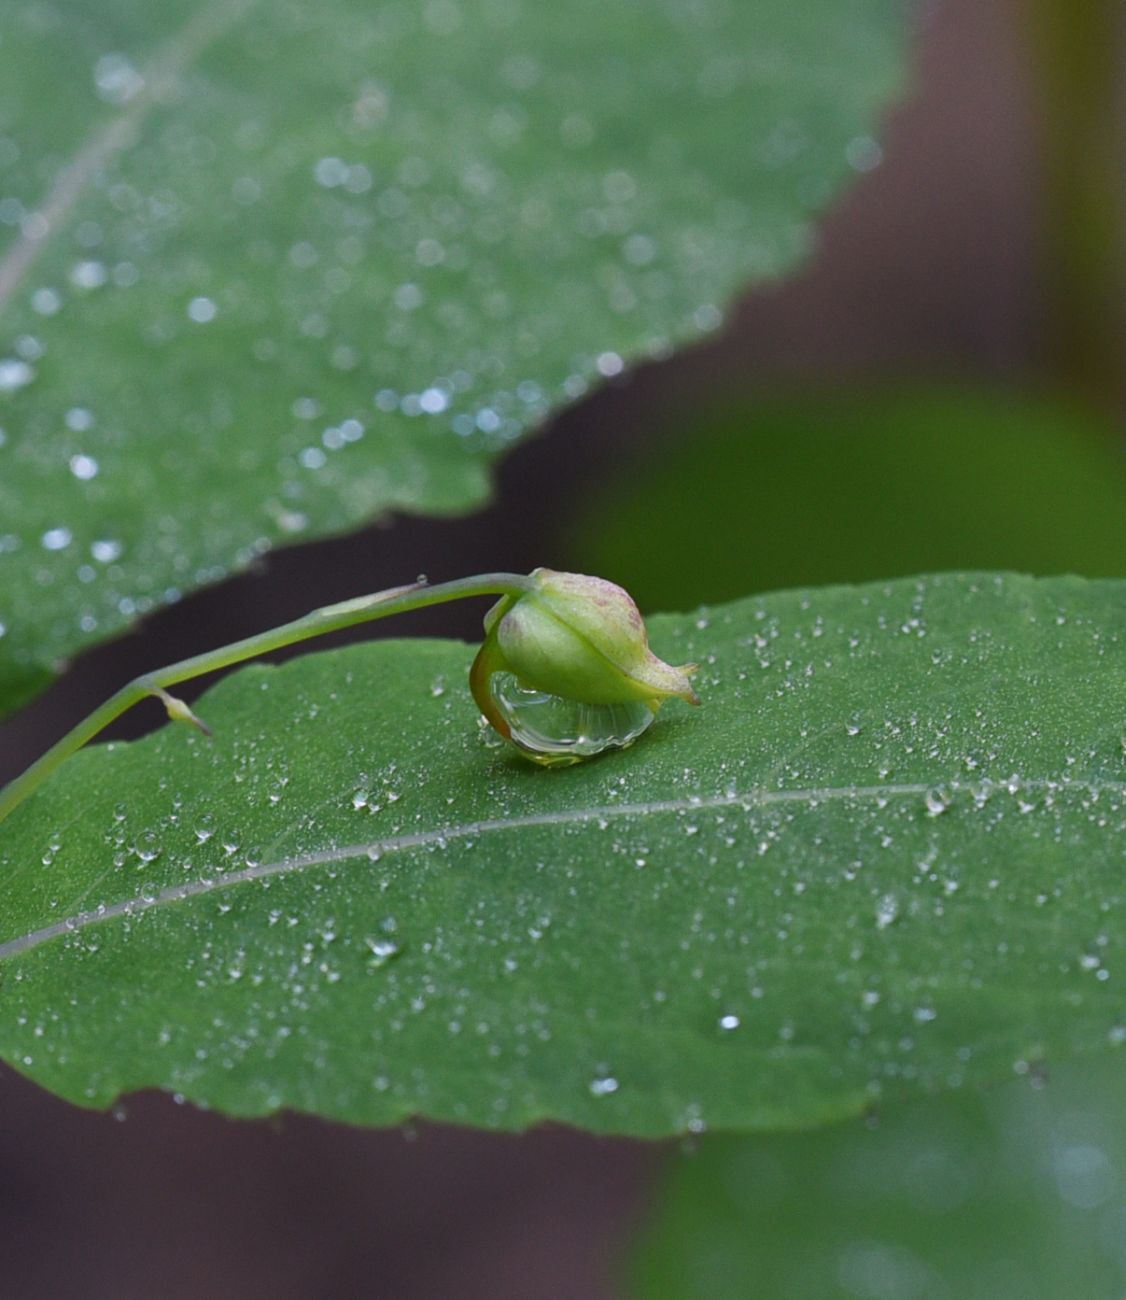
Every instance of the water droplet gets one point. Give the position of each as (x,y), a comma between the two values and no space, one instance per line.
(382,952)
(56,539)
(88,275)
(83,467)
(604,1086)
(79,419)
(105,550)
(331,172)
(14,374)
(863,154)
(45,302)
(116,79)
(202,310)
(408,297)
(553,729)
(433,401)
(938,798)
(887,911)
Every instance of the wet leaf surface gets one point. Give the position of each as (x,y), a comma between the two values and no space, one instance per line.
(885,857)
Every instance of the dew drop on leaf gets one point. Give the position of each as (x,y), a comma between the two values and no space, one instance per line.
(562,730)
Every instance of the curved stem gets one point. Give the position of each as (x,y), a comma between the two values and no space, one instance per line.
(489,661)
(365,609)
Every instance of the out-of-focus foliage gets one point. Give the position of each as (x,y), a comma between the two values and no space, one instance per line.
(1018,1194)
(848,486)
(267,269)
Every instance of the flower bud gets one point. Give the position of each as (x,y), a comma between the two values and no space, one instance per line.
(566,670)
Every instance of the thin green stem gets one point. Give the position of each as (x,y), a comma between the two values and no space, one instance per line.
(365,609)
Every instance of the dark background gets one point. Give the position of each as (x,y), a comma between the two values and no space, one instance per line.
(943,264)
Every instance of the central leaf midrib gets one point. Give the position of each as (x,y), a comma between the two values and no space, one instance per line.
(559,817)
(72,180)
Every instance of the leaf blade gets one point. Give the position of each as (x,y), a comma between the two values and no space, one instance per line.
(757,917)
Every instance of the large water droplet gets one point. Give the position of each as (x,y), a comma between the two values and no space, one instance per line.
(938,798)
(555,730)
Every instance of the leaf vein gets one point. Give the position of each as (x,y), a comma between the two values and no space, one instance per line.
(758,798)
(115,137)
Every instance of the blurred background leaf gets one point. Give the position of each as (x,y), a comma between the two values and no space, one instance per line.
(854,484)
(270,269)
(1015,1194)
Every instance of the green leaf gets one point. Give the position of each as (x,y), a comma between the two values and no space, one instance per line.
(1017,1195)
(885,856)
(793,490)
(271,269)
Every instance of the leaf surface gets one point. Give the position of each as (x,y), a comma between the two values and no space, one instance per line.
(268,269)
(885,856)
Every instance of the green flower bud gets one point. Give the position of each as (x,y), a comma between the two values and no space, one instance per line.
(566,671)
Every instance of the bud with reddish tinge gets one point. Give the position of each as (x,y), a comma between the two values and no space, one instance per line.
(566,670)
